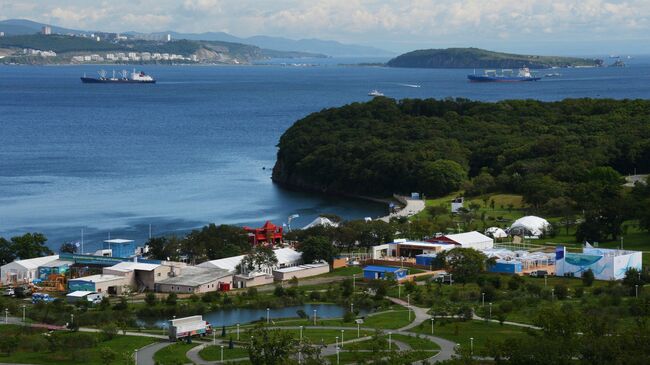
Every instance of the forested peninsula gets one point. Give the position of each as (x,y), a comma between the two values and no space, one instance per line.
(440,146)
(480,58)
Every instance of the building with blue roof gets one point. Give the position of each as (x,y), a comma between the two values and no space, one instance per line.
(381,272)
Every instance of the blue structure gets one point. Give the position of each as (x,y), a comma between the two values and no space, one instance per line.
(80,259)
(506,267)
(380,272)
(425,259)
(121,247)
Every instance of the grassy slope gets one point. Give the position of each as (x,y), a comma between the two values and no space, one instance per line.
(173,354)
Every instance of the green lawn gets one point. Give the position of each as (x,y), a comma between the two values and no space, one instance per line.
(318,336)
(174,354)
(123,345)
(461,332)
(416,343)
(389,320)
(344,271)
(213,353)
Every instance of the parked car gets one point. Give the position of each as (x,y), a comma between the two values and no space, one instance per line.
(539,273)
(23,291)
(9,292)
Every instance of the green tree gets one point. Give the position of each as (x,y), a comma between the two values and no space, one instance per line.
(440,177)
(68,247)
(317,248)
(107,355)
(259,258)
(7,253)
(30,245)
(150,299)
(171,299)
(275,347)
(465,264)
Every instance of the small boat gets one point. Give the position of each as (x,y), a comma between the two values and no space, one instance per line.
(553,74)
(375,93)
(124,78)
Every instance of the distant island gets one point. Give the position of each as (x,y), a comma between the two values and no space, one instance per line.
(480,58)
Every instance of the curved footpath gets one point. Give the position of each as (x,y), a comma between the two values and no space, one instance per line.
(412,207)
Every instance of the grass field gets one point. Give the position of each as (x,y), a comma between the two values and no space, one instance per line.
(461,332)
(389,320)
(123,345)
(174,354)
(213,353)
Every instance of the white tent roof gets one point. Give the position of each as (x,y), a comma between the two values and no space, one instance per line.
(321,221)
(535,225)
(496,232)
(284,255)
(80,293)
(36,262)
(469,238)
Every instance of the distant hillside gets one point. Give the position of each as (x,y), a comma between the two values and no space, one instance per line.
(330,48)
(68,46)
(24,26)
(480,58)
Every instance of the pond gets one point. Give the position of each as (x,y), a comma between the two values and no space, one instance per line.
(230,317)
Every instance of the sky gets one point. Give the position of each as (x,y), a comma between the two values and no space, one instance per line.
(540,26)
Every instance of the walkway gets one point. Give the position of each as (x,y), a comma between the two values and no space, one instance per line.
(145,354)
(413,206)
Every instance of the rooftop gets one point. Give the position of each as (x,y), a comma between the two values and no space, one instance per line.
(284,256)
(118,241)
(80,293)
(469,238)
(300,267)
(37,261)
(128,266)
(195,276)
(101,278)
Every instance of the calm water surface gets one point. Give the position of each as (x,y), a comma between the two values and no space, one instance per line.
(198,146)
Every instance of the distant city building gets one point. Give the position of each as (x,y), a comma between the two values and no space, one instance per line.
(46,30)
(2,34)
(169,38)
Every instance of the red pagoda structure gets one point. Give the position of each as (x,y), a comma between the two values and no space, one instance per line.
(268,234)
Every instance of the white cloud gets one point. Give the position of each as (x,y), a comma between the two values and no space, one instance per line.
(373,21)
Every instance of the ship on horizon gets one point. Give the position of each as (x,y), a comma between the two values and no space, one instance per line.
(123,78)
(506,75)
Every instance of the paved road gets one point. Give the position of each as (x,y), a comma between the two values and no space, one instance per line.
(145,354)
(413,206)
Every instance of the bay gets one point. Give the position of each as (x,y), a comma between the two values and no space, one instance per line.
(199,146)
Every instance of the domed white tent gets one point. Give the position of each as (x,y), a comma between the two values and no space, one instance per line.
(321,221)
(496,232)
(530,226)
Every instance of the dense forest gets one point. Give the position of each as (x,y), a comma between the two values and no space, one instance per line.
(481,58)
(568,154)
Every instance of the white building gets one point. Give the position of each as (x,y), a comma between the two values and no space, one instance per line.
(24,271)
(530,226)
(46,30)
(475,240)
(286,257)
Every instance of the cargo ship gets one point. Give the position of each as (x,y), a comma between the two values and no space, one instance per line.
(122,78)
(505,76)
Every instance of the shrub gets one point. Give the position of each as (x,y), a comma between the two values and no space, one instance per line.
(588,278)
(315,296)
(348,317)
(109,331)
(150,299)
(561,291)
(171,299)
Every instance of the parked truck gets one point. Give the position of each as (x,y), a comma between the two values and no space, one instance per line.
(187,327)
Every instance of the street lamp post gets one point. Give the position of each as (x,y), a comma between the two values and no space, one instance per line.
(135,356)
(399,290)
(337,356)
(221,353)
(71,319)
(390,341)
(358,330)
(552,294)
(237,331)
(268,316)
(301,333)
(451,279)
(354,282)
(337,342)
(352,308)
(471,346)
(408,305)
(490,317)
(24,307)
(314,317)
(483,299)
(6,316)
(214,338)
(636,289)
(545,280)
(342,332)
(432,319)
